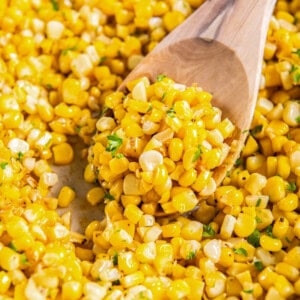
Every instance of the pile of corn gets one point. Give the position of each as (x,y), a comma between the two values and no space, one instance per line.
(161,147)
(60,63)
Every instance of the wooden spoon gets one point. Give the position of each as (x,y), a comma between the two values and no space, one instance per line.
(220,48)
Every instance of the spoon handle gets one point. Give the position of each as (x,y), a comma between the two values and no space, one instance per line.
(233,23)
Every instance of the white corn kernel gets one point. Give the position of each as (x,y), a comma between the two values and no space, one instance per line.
(212,249)
(149,160)
(55,30)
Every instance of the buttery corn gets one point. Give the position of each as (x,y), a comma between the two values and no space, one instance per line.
(154,149)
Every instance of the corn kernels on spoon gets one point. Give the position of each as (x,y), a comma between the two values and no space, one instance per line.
(220,48)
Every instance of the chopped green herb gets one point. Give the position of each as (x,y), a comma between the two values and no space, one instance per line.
(248,291)
(104,111)
(150,107)
(78,128)
(253,238)
(258,265)
(119,155)
(296,52)
(240,251)
(239,162)
(245,131)
(12,246)
(109,196)
(171,112)
(258,219)
(114,143)
(20,155)
(256,130)
(208,231)
(287,239)
(268,230)
(142,295)
(291,187)
(296,77)
(65,51)
(289,136)
(115,259)
(293,69)
(102,60)
(197,154)
(55,5)
(191,255)
(49,86)
(24,259)
(3,165)
(160,77)
(258,202)
(298,119)
(163,96)
(227,173)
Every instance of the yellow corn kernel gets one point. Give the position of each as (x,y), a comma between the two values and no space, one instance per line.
(9,259)
(250,147)
(133,213)
(255,162)
(271,166)
(233,286)
(160,175)
(119,165)
(267,277)
(192,230)
(280,227)
(284,287)
(146,252)
(255,183)
(227,227)
(226,257)
(63,154)
(202,180)
(290,272)
(171,230)
(283,166)
(127,262)
(178,289)
(66,196)
(5,282)
(72,92)
(89,173)
(172,19)
(187,178)
(184,201)
(95,195)
(229,195)
(288,203)
(132,279)
(175,149)
(270,244)
(245,225)
(215,284)
(71,290)
(272,76)
(275,188)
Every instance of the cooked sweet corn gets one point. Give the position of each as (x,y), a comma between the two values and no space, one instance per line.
(181,140)
(59,67)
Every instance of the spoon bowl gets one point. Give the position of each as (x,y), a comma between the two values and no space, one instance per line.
(219,48)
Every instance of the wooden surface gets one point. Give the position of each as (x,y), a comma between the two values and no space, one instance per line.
(219,47)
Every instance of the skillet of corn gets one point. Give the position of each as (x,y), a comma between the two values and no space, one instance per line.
(60,65)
